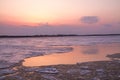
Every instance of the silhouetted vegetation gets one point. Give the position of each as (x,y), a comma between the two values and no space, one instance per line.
(58,35)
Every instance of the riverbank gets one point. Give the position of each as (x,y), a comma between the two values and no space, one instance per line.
(97,70)
(76,52)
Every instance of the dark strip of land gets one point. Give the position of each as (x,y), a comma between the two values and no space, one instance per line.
(58,35)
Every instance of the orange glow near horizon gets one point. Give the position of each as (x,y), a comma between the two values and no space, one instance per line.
(55,12)
(31,21)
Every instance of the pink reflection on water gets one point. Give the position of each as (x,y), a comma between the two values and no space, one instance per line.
(79,54)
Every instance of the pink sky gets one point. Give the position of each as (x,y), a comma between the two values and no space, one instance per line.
(61,16)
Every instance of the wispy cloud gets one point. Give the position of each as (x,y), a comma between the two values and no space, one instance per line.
(89,19)
(107,25)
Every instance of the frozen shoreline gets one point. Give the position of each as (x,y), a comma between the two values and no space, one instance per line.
(97,70)
(12,50)
(7,60)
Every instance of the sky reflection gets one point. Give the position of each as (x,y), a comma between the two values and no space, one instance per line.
(79,54)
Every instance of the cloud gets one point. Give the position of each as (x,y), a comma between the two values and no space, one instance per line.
(89,19)
(44,24)
(107,25)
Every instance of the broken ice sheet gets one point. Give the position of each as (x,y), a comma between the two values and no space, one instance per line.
(5,64)
(14,54)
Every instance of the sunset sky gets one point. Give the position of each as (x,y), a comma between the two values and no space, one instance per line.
(32,17)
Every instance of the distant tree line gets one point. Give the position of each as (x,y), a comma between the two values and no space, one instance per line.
(58,35)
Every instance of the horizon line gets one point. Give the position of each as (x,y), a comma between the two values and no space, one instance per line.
(56,35)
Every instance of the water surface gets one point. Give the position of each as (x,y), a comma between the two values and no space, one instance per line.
(85,48)
(79,54)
